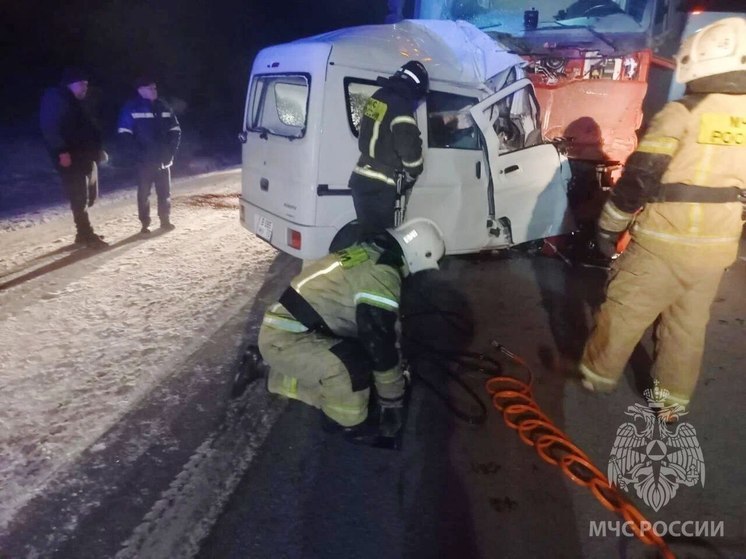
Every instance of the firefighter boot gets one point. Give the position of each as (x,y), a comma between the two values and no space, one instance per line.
(252,368)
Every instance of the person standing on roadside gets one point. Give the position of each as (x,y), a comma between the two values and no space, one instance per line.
(74,144)
(150,135)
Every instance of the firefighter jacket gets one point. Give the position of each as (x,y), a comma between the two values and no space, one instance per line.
(352,293)
(685,179)
(67,127)
(389,139)
(149,131)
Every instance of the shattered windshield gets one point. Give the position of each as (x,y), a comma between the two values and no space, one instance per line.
(518,16)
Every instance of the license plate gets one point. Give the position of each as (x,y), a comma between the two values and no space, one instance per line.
(263,227)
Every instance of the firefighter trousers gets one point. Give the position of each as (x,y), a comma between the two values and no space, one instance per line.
(374,202)
(324,372)
(675,289)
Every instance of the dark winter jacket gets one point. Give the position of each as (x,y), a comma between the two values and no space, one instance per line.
(389,139)
(67,127)
(149,132)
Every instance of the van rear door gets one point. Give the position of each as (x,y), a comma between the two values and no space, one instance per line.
(529,178)
(282,130)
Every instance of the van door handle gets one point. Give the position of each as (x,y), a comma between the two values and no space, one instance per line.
(479,169)
(511,169)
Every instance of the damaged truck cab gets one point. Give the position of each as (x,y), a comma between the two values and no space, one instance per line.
(490,180)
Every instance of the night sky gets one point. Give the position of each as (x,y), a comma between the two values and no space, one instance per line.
(199,51)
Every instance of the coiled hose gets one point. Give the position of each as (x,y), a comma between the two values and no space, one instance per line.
(513,398)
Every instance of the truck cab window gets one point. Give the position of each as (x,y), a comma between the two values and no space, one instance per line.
(449,124)
(279,105)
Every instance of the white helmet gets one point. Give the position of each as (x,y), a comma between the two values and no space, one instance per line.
(421,242)
(715,49)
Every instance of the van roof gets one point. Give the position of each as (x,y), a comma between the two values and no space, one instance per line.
(452,51)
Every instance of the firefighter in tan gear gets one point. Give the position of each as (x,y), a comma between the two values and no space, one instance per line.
(684,184)
(390,144)
(334,328)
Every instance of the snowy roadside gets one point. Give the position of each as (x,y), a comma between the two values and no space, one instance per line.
(85,335)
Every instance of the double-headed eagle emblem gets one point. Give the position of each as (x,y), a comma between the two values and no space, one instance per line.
(658,456)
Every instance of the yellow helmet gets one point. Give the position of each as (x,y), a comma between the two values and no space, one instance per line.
(717,48)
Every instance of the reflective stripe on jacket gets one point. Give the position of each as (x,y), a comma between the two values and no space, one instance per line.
(153,126)
(355,296)
(694,141)
(389,138)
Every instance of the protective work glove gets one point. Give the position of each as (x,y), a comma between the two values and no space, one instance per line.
(606,242)
(167,163)
(408,182)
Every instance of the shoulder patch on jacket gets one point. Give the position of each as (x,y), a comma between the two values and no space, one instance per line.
(375,109)
(352,256)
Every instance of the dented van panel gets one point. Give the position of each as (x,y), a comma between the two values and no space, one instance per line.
(490,179)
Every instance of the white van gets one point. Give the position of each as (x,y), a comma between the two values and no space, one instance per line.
(489,180)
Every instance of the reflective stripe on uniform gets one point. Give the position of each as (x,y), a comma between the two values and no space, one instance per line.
(143,115)
(175,128)
(387,377)
(375,175)
(684,239)
(616,213)
(283,323)
(288,387)
(613,219)
(704,165)
(374,139)
(402,120)
(376,300)
(124,131)
(662,146)
(417,163)
(166,115)
(326,270)
(595,378)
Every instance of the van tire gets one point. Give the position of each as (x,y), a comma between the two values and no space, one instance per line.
(345,237)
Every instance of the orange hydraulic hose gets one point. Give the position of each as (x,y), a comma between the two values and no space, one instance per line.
(520,411)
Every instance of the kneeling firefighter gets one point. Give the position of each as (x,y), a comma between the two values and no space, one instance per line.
(334,328)
(685,185)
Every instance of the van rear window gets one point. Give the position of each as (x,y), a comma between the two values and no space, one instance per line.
(278,104)
(357,93)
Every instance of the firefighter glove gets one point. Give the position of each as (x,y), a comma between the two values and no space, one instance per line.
(606,242)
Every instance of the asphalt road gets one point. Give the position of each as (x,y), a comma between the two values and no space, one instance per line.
(476,491)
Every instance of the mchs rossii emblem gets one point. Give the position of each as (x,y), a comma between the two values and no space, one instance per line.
(655,453)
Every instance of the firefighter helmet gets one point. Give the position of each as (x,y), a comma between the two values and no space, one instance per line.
(414,74)
(715,49)
(421,242)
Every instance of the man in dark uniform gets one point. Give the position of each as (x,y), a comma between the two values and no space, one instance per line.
(389,143)
(74,144)
(150,134)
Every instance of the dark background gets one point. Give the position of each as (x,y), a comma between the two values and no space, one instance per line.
(200,53)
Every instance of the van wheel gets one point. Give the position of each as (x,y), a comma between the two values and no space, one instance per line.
(346,236)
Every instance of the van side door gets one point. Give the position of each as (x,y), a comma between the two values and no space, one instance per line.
(452,190)
(529,178)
